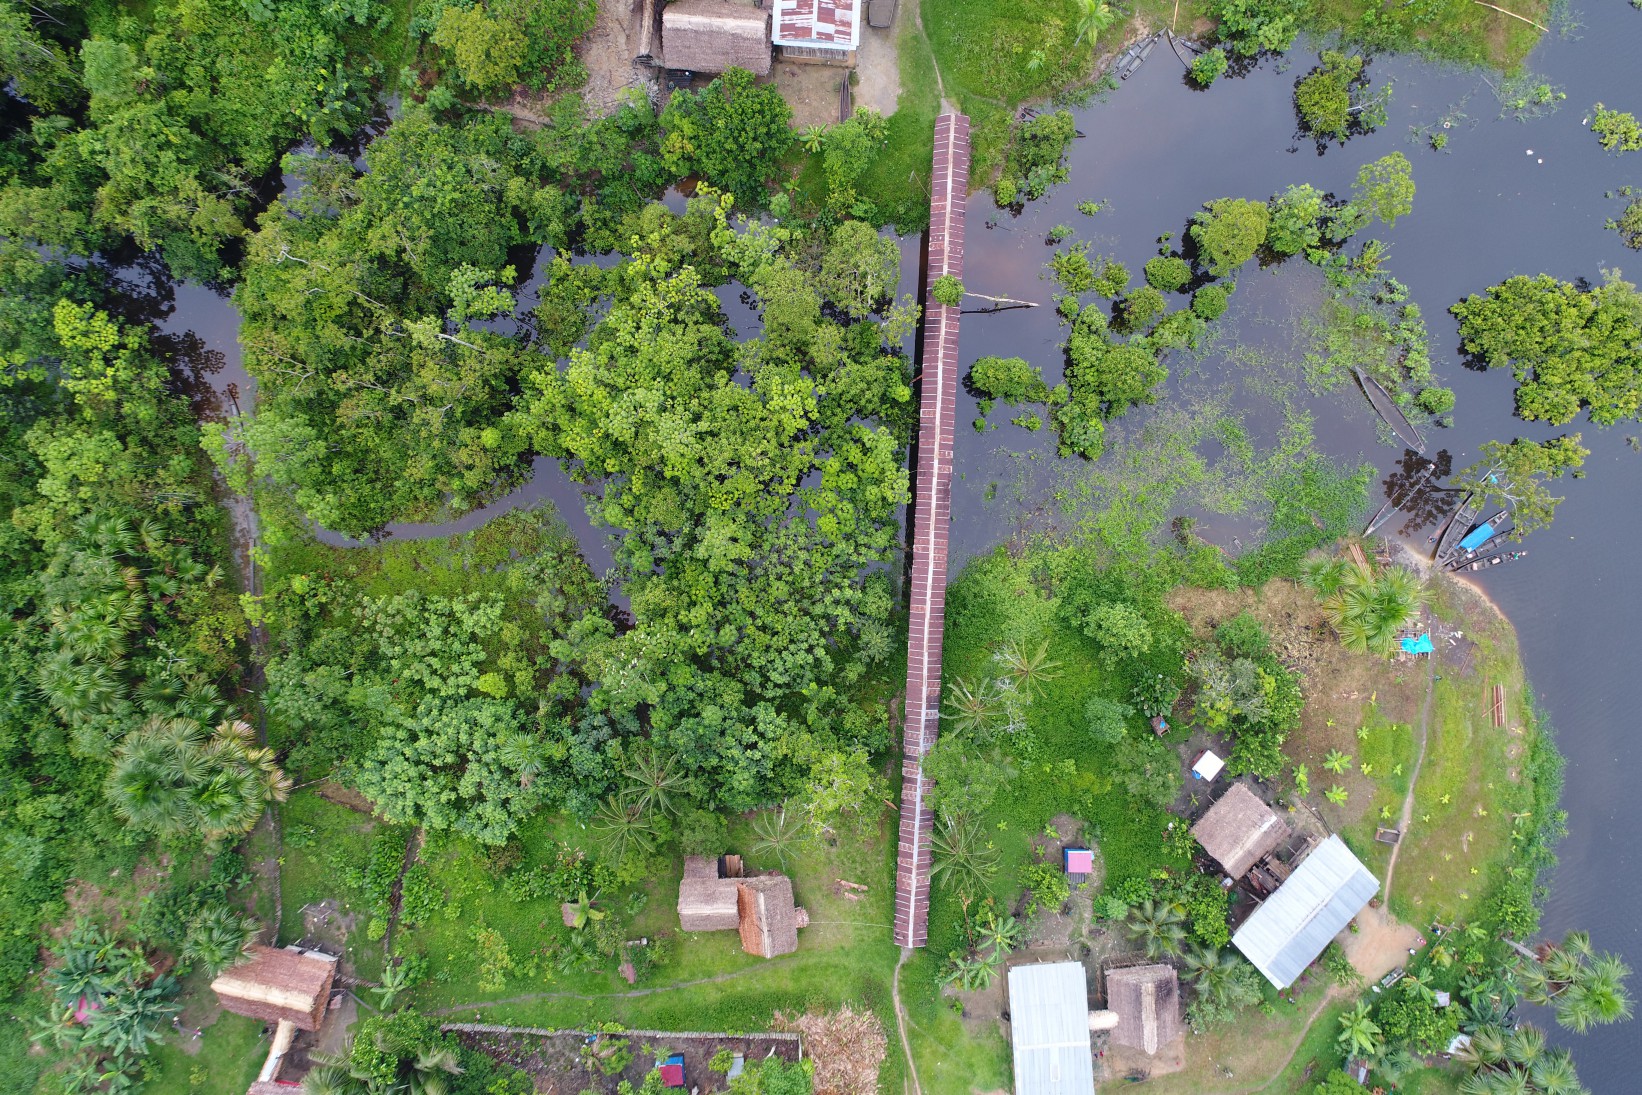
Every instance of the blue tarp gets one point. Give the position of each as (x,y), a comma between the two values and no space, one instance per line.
(1421,645)
(1477,536)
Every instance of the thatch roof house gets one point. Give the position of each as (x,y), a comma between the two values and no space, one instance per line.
(706,902)
(1240,830)
(761,908)
(769,919)
(713,35)
(1147,1002)
(279,985)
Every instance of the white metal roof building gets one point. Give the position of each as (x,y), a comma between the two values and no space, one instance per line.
(1049,1026)
(1287,933)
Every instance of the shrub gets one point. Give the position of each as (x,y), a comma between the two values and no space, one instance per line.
(947,290)
(1228,232)
(1242,636)
(702,832)
(1010,379)
(1436,400)
(1141,308)
(1047,884)
(1209,302)
(1323,97)
(1107,719)
(1616,129)
(1168,273)
(1113,281)
(1209,67)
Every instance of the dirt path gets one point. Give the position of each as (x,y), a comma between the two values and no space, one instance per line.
(1414,779)
(940,85)
(1288,1058)
(900,1020)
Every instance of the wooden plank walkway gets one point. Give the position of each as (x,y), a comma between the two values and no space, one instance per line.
(932,515)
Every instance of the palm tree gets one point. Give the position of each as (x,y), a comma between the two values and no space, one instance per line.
(1485,1049)
(1554,1074)
(1585,987)
(172,777)
(525,754)
(1031,668)
(621,826)
(331,1077)
(774,831)
(656,781)
(812,137)
(1525,1045)
(971,710)
(1094,16)
(964,858)
(1158,926)
(1359,1035)
(396,979)
(1001,933)
(217,938)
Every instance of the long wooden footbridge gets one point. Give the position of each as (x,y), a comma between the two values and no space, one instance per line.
(932,514)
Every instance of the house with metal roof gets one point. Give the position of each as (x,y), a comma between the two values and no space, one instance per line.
(1290,929)
(825,31)
(1049,1029)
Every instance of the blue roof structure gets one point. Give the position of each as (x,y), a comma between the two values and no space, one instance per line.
(1421,645)
(1477,537)
(1287,933)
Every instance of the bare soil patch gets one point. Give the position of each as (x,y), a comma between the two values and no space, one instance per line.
(345,796)
(1380,944)
(847,1047)
(608,51)
(811,91)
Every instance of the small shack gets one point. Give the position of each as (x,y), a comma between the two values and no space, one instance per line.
(1239,830)
(1049,1029)
(706,900)
(821,31)
(713,35)
(760,908)
(1080,863)
(768,917)
(1290,929)
(279,985)
(1207,766)
(1147,1002)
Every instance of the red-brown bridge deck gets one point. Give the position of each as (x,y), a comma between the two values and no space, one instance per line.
(932,508)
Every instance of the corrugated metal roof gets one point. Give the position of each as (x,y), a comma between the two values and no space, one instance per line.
(1288,932)
(1049,1026)
(818,23)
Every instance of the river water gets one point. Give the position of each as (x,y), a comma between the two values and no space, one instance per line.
(1507,198)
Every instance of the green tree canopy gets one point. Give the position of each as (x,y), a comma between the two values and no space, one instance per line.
(732,134)
(1571,349)
(1228,232)
(1516,474)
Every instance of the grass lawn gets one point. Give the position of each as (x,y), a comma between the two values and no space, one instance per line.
(954,1057)
(230,1052)
(897,180)
(1470,795)
(844,955)
(1255,1050)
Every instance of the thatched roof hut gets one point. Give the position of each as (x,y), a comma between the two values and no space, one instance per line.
(713,35)
(769,919)
(707,904)
(287,985)
(1239,830)
(1147,1002)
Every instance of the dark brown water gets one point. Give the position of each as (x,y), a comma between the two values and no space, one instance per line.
(1484,211)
